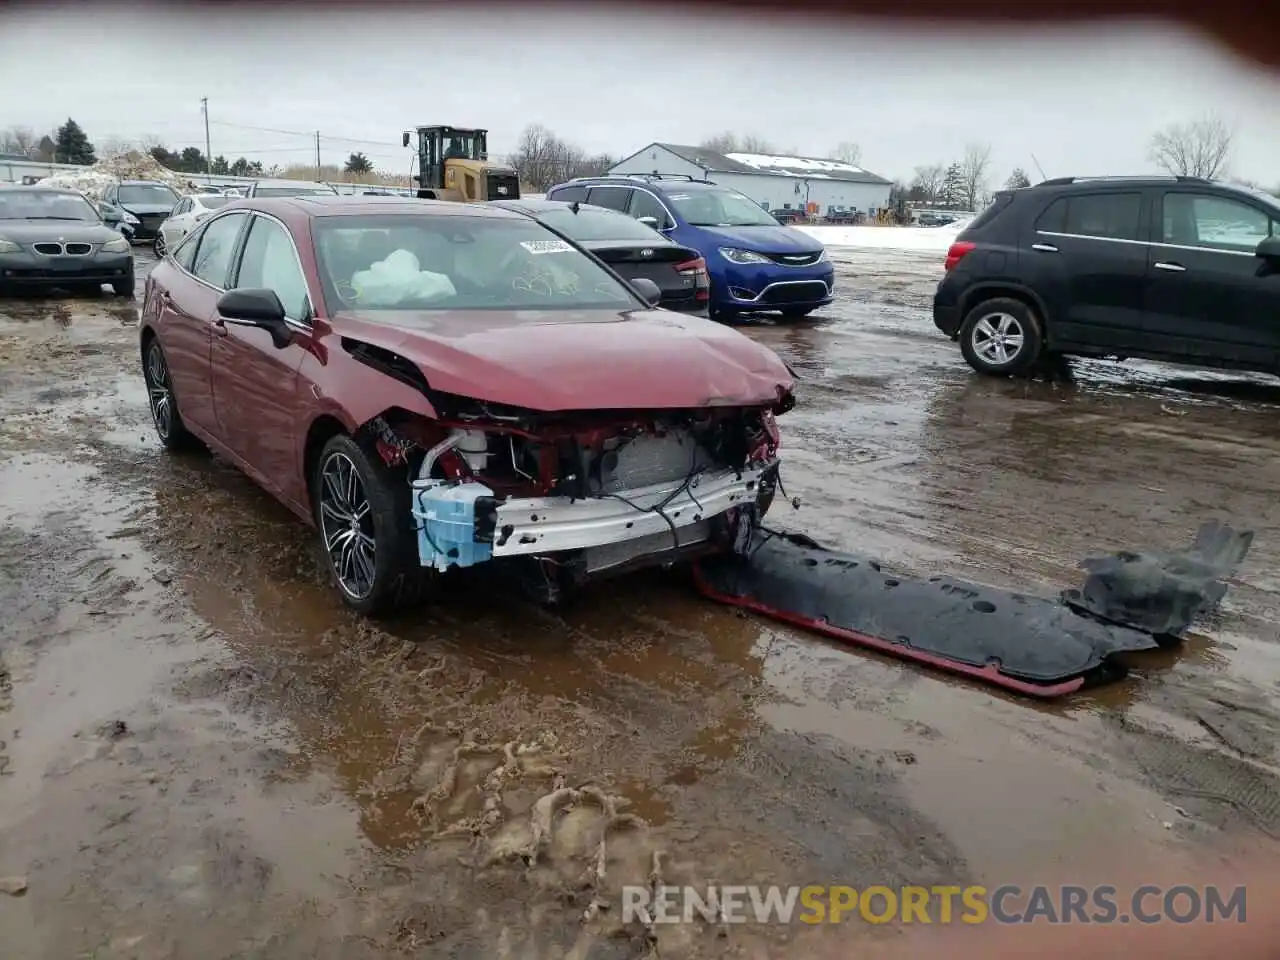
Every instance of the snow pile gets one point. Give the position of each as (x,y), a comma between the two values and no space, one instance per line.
(130,165)
(887,238)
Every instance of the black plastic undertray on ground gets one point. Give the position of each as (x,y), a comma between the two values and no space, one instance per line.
(1033,645)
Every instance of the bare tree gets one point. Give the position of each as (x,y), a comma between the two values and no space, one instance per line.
(928,181)
(729,142)
(543,159)
(973,172)
(113,146)
(1201,148)
(19,140)
(847,152)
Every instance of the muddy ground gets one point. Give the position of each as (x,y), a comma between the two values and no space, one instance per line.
(204,756)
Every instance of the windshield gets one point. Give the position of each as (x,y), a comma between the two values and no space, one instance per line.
(42,205)
(416,262)
(597,224)
(212,201)
(147,193)
(720,208)
(294,192)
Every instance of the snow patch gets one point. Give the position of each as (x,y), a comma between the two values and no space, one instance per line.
(784,164)
(94,180)
(886,238)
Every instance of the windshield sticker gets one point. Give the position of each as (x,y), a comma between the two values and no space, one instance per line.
(678,196)
(547,246)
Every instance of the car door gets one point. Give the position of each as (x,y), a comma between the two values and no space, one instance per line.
(188,305)
(612,197)
(646,206)
(1208,294)
(177,225)
(1088,260)
(254,381)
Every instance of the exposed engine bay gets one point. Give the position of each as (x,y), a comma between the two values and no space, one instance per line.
(576,496)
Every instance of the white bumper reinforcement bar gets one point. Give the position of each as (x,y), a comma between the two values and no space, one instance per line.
(548,524)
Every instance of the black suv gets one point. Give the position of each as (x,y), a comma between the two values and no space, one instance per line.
(1177,269)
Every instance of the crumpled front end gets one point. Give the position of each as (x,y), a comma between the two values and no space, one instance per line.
(570,497)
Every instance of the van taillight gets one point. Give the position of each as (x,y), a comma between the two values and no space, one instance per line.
(701,280)
(957,252)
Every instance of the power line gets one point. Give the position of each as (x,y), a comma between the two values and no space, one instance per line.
(302,133)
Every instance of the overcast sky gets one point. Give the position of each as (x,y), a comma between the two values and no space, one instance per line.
(1081,102)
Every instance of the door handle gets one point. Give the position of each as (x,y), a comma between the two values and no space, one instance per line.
(1045,247)
(1165,265)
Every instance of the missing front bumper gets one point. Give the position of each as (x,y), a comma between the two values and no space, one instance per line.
(464,524)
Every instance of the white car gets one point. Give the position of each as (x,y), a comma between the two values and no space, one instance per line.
(186,213)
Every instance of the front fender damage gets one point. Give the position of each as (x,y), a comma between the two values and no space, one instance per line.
(1031,645)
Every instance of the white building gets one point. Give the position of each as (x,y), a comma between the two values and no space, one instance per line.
(820,186)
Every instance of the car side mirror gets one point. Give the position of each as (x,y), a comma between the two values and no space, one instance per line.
(110,214)
(649,221)
(260,308)
(1269,248)
(648,290)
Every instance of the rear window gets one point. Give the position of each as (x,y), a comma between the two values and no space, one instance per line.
(993,210)
(294,192)
(595,224)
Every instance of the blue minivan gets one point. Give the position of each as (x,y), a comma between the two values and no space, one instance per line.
(755,263)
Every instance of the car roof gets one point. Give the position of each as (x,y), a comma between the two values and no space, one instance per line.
(40,188)
(144,183)
(640,180)
(538,206)
(356,205)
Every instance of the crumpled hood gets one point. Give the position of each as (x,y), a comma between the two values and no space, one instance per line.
(75,231)
(765,239)
(591,360)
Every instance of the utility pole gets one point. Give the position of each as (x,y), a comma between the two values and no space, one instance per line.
(208,153)
(317,156)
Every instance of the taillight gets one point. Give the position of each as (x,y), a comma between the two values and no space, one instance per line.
(957,252)
(701,280)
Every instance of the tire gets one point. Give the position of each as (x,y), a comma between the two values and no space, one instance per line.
(162,400)
(1001,337)
(158,246)
(797,313)
(125,287)
(370,515)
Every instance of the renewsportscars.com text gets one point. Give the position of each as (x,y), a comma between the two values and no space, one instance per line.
(1006,904)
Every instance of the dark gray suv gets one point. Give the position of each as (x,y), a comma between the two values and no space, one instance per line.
(1177,269)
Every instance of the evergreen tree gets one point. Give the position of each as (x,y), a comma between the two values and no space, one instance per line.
(953,186)
(1018,179)
(71,145)
(358,163)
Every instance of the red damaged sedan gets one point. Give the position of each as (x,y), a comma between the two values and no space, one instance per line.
(436,385)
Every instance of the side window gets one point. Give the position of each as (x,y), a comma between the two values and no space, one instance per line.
(1054,218)
(110,195)
(1115,216)
(570,194)
(615,198)
(270,261)
(1200,220)
(186,251)
(217,243)
(645,204)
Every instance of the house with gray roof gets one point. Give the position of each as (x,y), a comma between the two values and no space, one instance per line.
(774,182)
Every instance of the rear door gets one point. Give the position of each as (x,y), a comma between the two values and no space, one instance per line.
(1088,257)
(188,306)
(1208,294)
